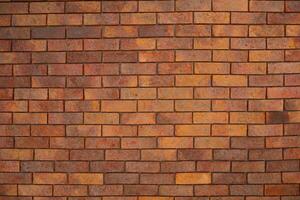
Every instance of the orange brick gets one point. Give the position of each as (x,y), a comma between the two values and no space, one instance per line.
(193,178)
(192,80)
(85,178)
(49,178)
(210,117)
(229,80)
(137,118)
(155,105)
(247,117)
(175,142)
(192,130)
(212,142)
(138,18)
(229,130)
(212,17)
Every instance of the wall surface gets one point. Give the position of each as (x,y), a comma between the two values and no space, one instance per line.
(150,100)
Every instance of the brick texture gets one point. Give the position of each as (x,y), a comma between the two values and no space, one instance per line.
(150,100)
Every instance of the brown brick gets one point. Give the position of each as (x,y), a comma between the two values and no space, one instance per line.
(81,6)
(193,55)
(178,166)
(122,155)
(250,166)
(175,18)
(193,30)
(64,19)
(137,118)
(119,6)
(101,69)
(70,190)
(101,19)
(121,178)
(246,190)
(86,155)
(156,30)
(281,190)
(248,18)
(230,154)
(267,6)
(266,30)
(86,178)
(194,154)
(49,178)
(230,56)
(158,155)
(14,8)
(46,7)
(35,190)
(29,20)
(107,166)
(225,5)
(142,167)
(176,190)
(138,18)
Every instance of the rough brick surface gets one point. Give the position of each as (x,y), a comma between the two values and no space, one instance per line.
(150,100)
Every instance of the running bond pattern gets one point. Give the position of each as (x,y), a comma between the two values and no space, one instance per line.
(150,100)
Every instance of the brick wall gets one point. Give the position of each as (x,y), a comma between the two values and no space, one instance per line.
(150,100)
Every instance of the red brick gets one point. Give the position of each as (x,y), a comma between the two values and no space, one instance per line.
(30,69)
(281,190)
(14,33)
(283,18)
(47,130)
(14,58)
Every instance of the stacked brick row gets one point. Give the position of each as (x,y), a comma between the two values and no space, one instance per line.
(150,100)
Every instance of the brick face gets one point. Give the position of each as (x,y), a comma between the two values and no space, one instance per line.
(149,100)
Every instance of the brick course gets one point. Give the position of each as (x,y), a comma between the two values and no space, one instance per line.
(149,100)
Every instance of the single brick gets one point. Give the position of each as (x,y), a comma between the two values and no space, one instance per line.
(193,178)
